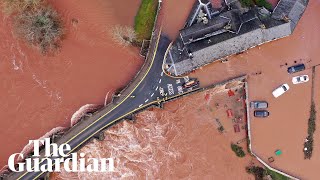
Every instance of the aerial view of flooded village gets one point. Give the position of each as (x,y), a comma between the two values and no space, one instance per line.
(159,89)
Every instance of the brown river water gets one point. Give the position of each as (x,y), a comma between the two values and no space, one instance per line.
(178,142)
(39,93)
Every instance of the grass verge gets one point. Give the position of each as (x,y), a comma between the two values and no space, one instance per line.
(260,3)
(276,176)
(145,18)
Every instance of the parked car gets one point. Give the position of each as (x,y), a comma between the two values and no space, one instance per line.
(261,113)
(258,104)
(300,79)
(296,68)
(280,90)
(192,83)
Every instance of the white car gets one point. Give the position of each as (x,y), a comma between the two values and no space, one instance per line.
(280,90)
(300,79)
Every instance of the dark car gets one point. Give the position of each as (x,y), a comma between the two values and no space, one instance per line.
(261,113)
(258,104)
(296,68)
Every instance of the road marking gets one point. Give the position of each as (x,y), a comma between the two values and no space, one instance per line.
(186,79)
(157,88)
(162,73)
(140,105)
(152,94)
(180,89)
(161,90)
(178,81)
(149,68)
(146,100)
(160,81)
(170,89)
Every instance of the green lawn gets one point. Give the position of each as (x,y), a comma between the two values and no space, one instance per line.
(276,176)
(145,18)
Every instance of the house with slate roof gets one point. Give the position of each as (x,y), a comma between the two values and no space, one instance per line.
(211,34)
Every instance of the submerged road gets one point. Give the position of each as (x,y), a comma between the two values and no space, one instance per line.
(153,88)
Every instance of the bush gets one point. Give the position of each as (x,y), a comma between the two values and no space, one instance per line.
(40,27)
(238,150)
(311,129)
(36,23)
(16,6)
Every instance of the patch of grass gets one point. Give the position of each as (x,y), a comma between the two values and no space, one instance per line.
(145,18)
(260,3)
(247,3)
(237,150)
(263,3)
(275,175)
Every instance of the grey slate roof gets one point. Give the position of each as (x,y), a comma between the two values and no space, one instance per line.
(231,32)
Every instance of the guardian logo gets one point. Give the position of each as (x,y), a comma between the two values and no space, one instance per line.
(55,157)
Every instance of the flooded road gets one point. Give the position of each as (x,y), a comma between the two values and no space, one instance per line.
(39,93)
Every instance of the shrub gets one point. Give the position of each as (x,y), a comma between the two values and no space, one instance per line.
(238,150)
(247,3)
(36,23)
(16,6)
(311,129)
(40,27)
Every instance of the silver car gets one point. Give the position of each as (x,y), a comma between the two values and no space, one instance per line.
(259,104)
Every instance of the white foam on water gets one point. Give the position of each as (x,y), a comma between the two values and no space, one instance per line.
(29,147)
(83,111)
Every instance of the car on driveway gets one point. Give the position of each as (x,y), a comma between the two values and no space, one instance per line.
(258,104)
(280,90)
(300,79)
(261,113)
(296,68)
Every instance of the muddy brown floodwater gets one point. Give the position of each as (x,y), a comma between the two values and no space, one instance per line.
(39,93)
(179,142)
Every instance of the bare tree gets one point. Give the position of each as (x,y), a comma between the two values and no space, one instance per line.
(123,35)
(40,27)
